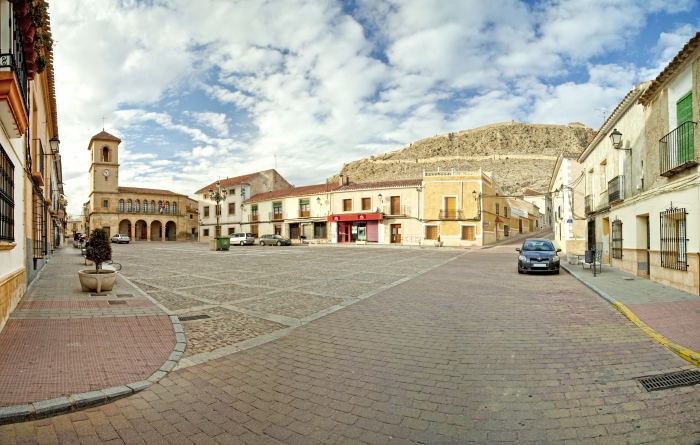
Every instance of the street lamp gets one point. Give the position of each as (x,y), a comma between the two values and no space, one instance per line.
(616,139)
(217,195)
(474,194)
(54,143)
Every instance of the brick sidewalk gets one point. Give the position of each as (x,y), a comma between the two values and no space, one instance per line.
(61,341)
(670,312)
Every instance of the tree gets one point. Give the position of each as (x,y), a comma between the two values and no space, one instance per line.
(99,249)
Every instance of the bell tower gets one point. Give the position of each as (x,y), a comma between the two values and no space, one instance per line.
(104,165)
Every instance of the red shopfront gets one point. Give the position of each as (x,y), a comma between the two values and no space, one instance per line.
(357,227)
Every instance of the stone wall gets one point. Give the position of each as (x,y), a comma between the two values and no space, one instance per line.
(521,155)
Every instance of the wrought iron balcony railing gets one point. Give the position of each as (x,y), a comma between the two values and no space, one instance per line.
(398,210)
(616,189)
(451,214)
(276,216)
(304,213)
(588,204)
(676,150)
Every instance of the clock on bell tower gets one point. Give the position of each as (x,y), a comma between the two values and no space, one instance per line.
(104,165)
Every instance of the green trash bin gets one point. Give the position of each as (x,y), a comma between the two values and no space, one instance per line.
(223,243)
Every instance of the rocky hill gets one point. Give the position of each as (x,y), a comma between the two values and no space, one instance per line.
(521,155)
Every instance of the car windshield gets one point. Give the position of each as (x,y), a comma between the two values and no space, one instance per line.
(539,246)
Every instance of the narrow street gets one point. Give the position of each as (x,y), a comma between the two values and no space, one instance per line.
(468,352)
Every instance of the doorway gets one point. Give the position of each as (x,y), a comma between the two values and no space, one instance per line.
(396,233)
(344,232)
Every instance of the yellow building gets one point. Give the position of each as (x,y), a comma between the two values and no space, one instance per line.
(463,208)
(141,213)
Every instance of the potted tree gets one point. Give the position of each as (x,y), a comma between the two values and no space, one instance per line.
(438,243)
(99,251)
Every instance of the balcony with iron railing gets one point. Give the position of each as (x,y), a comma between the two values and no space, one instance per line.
(38,172)
(254,217)
(304,213)
(396,210)
(276,216)
(588,204)
(14,84)
(616,189)
(451,214)
(676,150)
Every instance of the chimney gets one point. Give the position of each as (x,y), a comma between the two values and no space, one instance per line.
(341,181)
(347,180)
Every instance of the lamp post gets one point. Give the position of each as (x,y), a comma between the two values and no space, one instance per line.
(616,139)
(217,195)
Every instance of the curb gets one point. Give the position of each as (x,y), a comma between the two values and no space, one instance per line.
(76,402)
(683,352)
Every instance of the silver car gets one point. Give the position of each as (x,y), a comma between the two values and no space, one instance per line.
(121,238)
(242,239)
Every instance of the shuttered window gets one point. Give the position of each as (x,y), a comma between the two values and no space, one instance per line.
(468,233)
(431,232)
(347,205)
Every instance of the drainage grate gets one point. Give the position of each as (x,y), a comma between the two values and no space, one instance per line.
(95,294)
(116,302)
(665,381)
(125,295)
(194,317)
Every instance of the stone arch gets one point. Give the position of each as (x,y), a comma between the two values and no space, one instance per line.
(141,230)
(156,231)
(171,231)
(106,154)
(125,227)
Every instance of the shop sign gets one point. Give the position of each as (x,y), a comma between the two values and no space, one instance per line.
(356,217)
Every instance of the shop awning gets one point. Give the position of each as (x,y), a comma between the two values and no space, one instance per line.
(356,217)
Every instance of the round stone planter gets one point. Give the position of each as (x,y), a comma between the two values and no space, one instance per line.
(438,243)
(97,280)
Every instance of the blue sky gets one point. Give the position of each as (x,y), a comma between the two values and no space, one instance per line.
(214,88)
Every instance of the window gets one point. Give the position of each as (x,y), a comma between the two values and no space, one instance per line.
(38,224)
(206,232)
(145,206)
(304,208)
(276,210)
(231,230)
(137,209)
(505,211)
(7,197)
(673,239)
(205,196)
(366,203)
(167,207)
(278,230)
(449,210)
(105,203)
(218,209)
(431,232)
(206,211)
(320,230)
(347,205)
(254,230)
(231,208)
(497,208)
(121,205)
(174,208)
(395,203)
(190,216)
(129,206)
(105,155)
(617,239)
(193,231)
(153,207)
(604,175)
(254,213)
(468,233)
(505,230)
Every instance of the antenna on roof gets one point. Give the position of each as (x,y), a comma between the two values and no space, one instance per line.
(275,162)
(103,123)
(602,111)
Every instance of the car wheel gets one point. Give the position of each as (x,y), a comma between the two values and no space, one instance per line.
(261,243)
(519,270)
(279,243)
(556,272)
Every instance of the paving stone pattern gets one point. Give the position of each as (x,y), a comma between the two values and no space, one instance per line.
(470,352)
(61,341)
(252,291)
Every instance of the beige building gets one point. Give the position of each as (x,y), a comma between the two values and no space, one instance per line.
(520,216)
(32,203)
(231,214)
(141,213)
(75,224)
(567,191)
(291,212)
(543,201)
(385,212)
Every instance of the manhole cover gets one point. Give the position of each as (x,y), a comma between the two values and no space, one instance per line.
(665,381)
(194,317)
(116,302)
(125,295)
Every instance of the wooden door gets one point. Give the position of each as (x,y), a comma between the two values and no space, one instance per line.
(396,233)
(450,207)
(395,205)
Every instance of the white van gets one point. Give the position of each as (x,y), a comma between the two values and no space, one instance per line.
(242,239)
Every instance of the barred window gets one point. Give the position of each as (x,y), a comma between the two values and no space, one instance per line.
(145,206)
(496,208)
(38,225)
(7,197)
(673,239)
(431,232)
(617,239)
(153,207)
(121,205)
(167,207)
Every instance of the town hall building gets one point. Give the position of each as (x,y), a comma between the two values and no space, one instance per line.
(141,213)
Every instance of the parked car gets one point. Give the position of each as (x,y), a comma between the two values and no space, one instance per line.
(120,238)
(268,240)
(242,239)
(538,255)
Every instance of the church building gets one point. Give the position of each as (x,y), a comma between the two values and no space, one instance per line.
(141,213)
